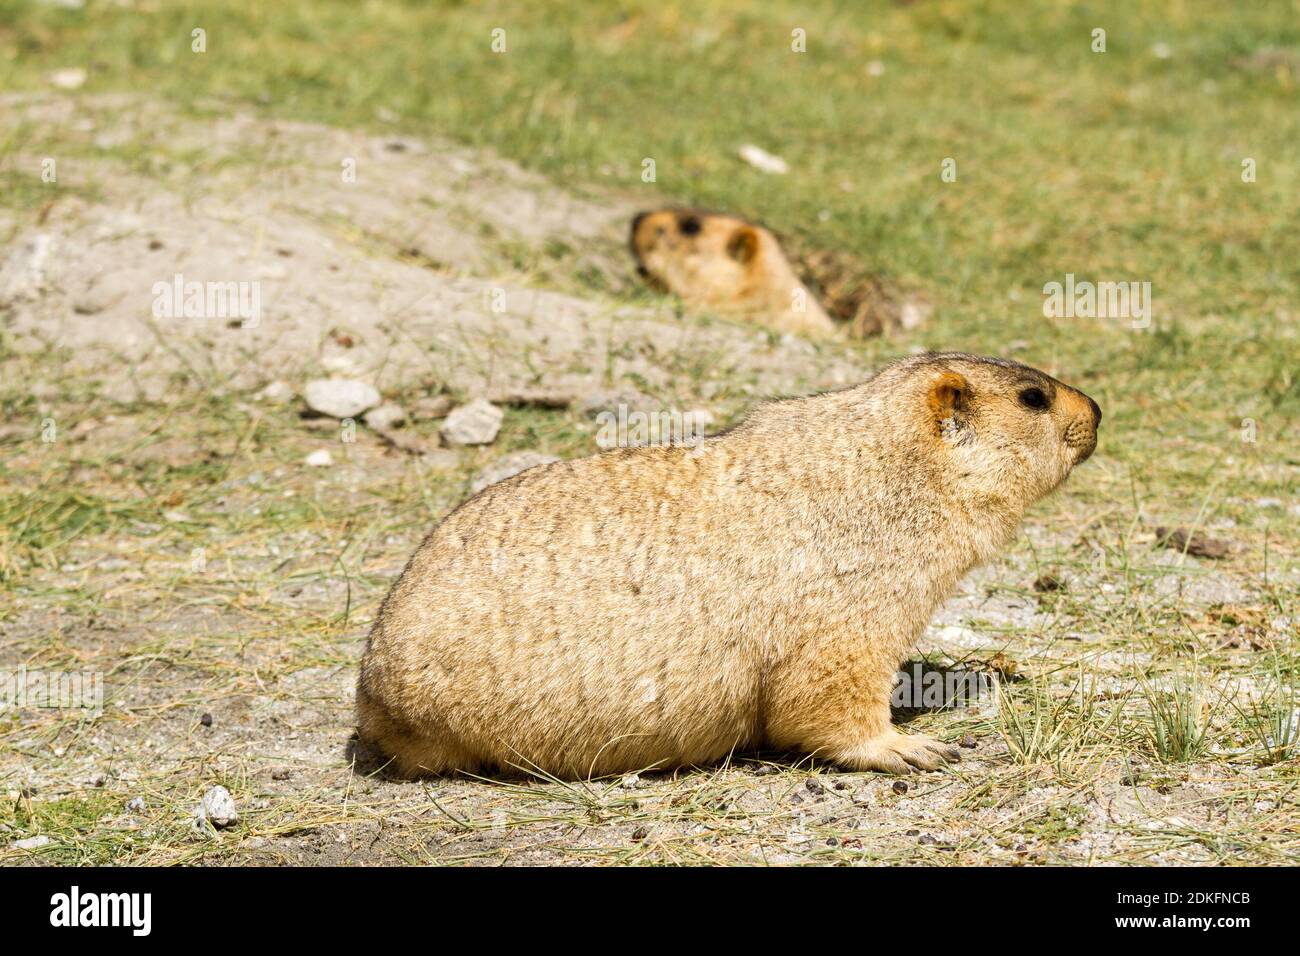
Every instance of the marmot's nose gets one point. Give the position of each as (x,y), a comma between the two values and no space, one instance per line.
(1096,412)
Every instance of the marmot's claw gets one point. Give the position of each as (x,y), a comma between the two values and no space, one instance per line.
(901,753)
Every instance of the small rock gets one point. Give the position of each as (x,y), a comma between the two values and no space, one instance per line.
(69,78)
(281,773)
(765,770)
(508,467)
(899,787)
(927,839)
(432,406)
(630,782)
(841,785)
(762,160)
(275,392)
(340,397)
(968,742)
(474,424)
(98,780)
(1194,543)
(1047,582)
(135,805)
(831,841)
(913,833)
(218,808)
(384,417)
(31,843)
(812,786)
(206,720)
(639,834)
(320,458)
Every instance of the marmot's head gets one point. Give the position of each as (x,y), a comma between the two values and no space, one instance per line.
(698,255)
(997,430)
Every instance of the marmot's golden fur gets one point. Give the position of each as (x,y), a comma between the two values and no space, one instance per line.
(665,606)
(726,264)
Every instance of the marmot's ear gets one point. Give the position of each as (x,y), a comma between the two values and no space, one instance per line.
(949,399)
(743,245)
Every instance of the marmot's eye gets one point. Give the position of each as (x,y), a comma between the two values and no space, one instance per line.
(690,226)
(1033,398)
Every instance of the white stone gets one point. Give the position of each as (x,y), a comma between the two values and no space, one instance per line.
(70,78)
(340,397)
(474,424)
(383,417)
(31,843)
(762,160)
(218,808)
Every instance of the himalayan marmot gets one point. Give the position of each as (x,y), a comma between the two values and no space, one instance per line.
(665,606)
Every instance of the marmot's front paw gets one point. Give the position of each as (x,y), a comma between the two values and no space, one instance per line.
(893,752)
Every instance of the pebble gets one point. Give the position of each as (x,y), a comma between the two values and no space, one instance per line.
(386,416)
(900,787)
(340,397)
(275,392)
(218,808)
(474,424)
(762,160)
(968,742)
(319,458)
(31,843)
(135,805)
(70,78)
(432,406)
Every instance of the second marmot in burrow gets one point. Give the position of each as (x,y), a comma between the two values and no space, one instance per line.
(724,263)
(665,606)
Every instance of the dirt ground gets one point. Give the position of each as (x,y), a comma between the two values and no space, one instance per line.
(166,532)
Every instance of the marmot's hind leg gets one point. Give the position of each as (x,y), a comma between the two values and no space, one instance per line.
(401,751)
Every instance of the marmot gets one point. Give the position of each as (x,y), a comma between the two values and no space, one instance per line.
(724,263)
(664,606)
